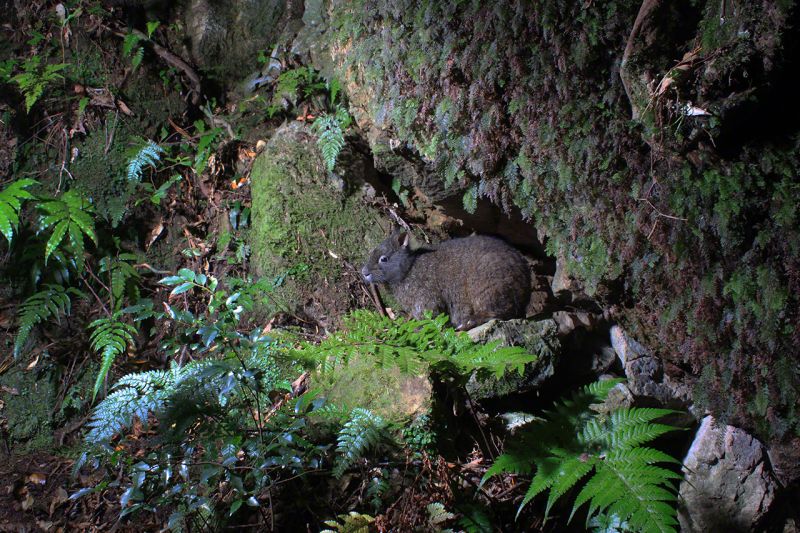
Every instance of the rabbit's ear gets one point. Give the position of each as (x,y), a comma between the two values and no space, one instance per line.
(404,239)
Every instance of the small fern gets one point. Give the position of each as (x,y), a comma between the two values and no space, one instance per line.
(70,215)
(11,199)
(123,276)
(110,337)
(362,432)
(131,47)
(573,441)
(438,514)
(411,345)
(352,522)
(329,130)
(135,396)
(147,155)
(35,78)
(51,302)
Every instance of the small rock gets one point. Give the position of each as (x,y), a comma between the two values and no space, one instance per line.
(728,485)
(538,337)
(564,282)
(568,321)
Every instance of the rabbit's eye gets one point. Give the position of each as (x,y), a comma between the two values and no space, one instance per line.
(383,259)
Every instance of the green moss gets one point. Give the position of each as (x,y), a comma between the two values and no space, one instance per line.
(302,215)
(99,172)
(32,413)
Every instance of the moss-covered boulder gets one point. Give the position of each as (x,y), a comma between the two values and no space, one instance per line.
(386,391)
(310,224)
(537,337)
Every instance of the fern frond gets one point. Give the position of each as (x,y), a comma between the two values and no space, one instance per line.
(411,345)
(11,199)
(147,155)
(572,441)
(110,337)
(625,485)
(363,431)
(567,474)
(122,273)
(438,514)
(352,522)
(135,396)
(70,215)
(517,462)
(51,302)
(329,130)
(34,79)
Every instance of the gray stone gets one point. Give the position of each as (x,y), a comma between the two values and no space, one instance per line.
(564,282)
(645,372)
(728,484)
(226,37)
(538,337)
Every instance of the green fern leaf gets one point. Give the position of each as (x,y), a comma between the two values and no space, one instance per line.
(50,302)
(352,522)
(329,130)
(69,215)
(110,337)
(147,155)
(438,514)
(572,441)
(123,277)
(363,431)
(129,43)
(509,463)
(11,199)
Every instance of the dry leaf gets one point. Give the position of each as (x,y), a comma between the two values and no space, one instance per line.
(27,503)
(58,498)
(155,233)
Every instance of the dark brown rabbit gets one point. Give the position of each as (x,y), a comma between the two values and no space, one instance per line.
(472,279)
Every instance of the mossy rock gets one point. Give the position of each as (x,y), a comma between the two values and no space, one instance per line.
(386,391)
(303,215)
(537,337)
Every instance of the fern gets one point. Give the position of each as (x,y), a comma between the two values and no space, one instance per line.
(411,345)
(573,442)
(123,276)
(147,155)
(352,522)
(70,215)
(438,514)
(362,432)
(178,395)
(51,302)
(11,199)
(110,338)
(329,130)
(130,47)
(34,79)
(135,396)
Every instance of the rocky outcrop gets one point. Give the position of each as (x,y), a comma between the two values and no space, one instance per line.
(225,38)
(645,372)
(728,484)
